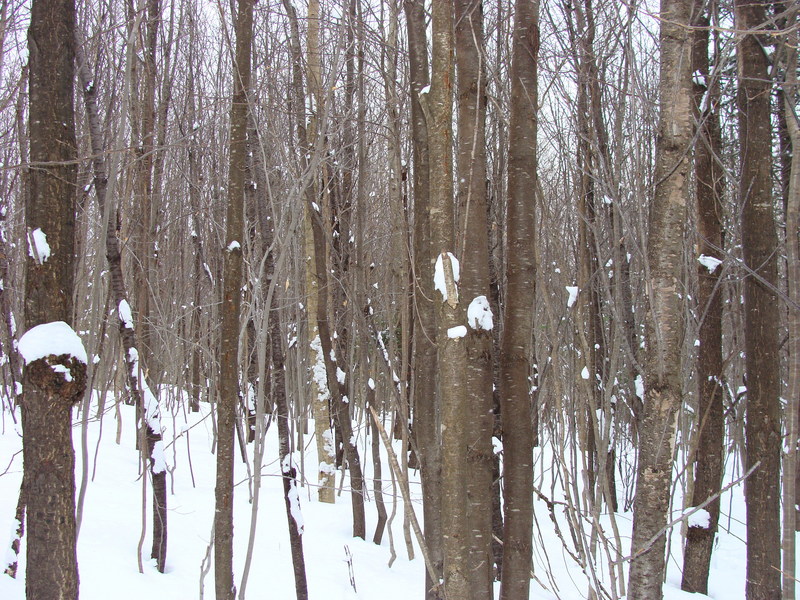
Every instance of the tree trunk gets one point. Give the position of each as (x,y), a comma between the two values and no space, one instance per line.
(451,355)
(471,152)
(425,407)
(759,245)
(517,409)
(48,457)
(710,418)
(319,388)
(231,307)
(664,318)
(291,493)
(790,520)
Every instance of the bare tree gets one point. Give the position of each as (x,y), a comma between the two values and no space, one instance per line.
(425,408)
(53,381)
(761,317)
(231,305)
(664,319)
(790,480)
(474,236)
(516,351)
(711,423)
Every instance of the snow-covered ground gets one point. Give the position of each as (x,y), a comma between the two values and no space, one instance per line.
(112,524)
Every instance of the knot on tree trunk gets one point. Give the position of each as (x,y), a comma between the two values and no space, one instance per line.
(62,376)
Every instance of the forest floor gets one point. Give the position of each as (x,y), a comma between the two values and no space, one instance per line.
(111,525)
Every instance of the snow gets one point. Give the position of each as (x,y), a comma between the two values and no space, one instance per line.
(63,370)
(425,90)
(697,517)
(294,506)
(585,373)
(125,315)
(109,535)
(10,556)
(340,376)
(234,245)
(479,314)
(457,332)
(573,295)
(709,262)
(639,385)
(318,373)
(158,458)
(54,338)
(152,411)
(38,248)
(438,274)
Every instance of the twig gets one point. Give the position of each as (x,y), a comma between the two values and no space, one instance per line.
(683,516)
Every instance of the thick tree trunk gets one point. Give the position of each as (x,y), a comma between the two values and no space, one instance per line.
(231,307)
(664,319)
(425,407)
(321,397)
(710,419)
(762,365)
(517,407)
(450,314)
(471,153)
(143,104)
(48,457)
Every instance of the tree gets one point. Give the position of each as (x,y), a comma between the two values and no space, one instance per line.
(711,423)
(664,320)
(516,349)
(136,378)
(231,305)
(425,407)
(761,317)
(54,380)
(790,520)
(449,315)
(471,154)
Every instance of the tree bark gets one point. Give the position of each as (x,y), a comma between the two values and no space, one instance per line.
(790,520)
(517,406)
(479,422)
(231,306)
(759,245)
(451,349)
(664,329)
(709,180)
(48,457)
(425,405)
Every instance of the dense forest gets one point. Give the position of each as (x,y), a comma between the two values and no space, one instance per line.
(524,274)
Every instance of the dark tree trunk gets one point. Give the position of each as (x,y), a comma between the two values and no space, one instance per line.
(711,423)
(517,407)
(146,403)
(762,365)
(231,307)
(474,236)
(450,312)
(425,407)
(291,492)
(48,457)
